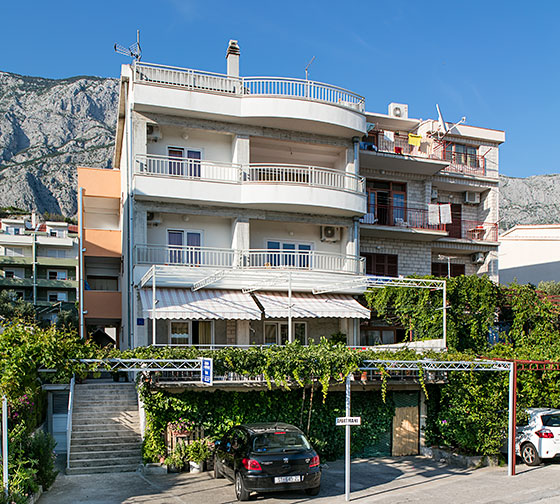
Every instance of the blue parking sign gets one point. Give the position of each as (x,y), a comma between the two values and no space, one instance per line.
(207,371)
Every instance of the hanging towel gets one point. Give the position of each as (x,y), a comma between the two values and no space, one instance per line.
(414,139)
(445,213)
(433,214)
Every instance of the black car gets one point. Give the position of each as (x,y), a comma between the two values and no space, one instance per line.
(267,457)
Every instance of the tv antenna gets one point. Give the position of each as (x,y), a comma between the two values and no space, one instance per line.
(307,68)
(443,129)
(134,51)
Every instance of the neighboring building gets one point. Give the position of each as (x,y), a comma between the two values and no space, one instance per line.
(432,201)
(530,254)
(237,191)
(39,261)
(100,226)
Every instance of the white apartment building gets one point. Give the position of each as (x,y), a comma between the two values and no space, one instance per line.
(241,196)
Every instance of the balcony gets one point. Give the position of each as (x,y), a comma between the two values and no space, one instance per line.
(466,164)
(102,304)
(16,259)
(390,219)
(268,186)
(13,283)
(241,98)
(57,284)
(253,259)
(396,154)
(414,221)
(102,242)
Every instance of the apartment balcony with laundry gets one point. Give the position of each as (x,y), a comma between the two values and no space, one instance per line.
(276,102)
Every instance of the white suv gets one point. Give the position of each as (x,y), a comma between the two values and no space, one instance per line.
(540,438)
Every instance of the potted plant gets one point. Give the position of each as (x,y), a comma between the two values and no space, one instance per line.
(178,459)
(199,452)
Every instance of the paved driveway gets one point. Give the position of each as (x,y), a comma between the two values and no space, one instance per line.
(390,480)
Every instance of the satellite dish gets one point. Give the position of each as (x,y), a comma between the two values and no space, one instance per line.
(134,51)
(442,126)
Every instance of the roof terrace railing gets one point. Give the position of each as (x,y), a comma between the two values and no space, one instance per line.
(186,78)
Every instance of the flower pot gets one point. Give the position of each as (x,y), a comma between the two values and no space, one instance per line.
(196,467)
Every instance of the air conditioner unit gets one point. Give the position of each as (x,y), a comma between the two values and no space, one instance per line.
(478,258)
(153,218)
(398,110)
(153,133)
(472,197)
(330,233)
(434,194)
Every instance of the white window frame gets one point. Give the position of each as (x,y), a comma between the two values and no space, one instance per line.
(279,324)
(57,293)
(16,272)
(58,272)
(188,338)
(183,157)
(57,252)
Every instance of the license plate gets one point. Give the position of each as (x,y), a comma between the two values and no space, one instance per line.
(287,479)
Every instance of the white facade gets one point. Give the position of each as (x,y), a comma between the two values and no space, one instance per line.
(530,254)
(236,183)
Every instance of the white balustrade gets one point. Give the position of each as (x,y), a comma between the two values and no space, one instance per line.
(152,73)
(309,260)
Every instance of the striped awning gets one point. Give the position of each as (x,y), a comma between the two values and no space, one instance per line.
(201,304)
(308,305)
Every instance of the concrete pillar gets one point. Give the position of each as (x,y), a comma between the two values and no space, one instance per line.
(241,149)
(140,226)
(240,238)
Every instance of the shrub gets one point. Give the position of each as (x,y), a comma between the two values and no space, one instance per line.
(41,449)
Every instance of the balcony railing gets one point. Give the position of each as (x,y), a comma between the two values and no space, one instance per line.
(247,86)
(461,162)
(404,217)
(266,259)
(212,171)
(418,219)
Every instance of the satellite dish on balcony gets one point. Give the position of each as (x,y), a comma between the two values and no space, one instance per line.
(442,125)
(134,51)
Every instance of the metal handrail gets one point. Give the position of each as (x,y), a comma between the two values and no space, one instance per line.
(310,260)
(234,173)
(153,73)
(69,420)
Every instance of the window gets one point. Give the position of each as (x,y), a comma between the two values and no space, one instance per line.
(57,275)
(20,294)
(55,296)
(461,154)
(180,333)
(58,253)
(387,202)
(103,283)
(276,333)
(9,274)
(293,255)
(13,251)
(382,264)
(179,165)
(180,254)
(441,270)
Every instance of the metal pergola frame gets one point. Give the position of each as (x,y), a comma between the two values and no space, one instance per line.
(433,365)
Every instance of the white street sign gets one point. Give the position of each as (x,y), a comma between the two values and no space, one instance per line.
(352,420)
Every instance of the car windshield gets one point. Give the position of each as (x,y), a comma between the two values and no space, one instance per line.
(281,441)
(551,420)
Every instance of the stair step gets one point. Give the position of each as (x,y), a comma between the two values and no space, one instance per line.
(122,433)
(102,445)
(108,456)
(103,469)
(109,411)
(115,461)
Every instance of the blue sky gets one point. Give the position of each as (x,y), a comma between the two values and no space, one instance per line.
(494,62)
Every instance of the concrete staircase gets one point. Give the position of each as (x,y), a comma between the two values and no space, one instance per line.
(105,429)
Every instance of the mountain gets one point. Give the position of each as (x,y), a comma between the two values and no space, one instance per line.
(531,200)
(47,128)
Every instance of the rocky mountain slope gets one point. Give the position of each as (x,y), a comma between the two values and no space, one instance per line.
(531,200)
(47,128)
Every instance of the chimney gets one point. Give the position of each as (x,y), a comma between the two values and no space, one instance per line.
(232,57)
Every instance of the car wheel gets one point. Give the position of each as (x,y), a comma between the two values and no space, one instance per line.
(240,491)
(530,455)
(313,491)
(217,473)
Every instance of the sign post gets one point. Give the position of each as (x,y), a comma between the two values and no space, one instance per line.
(347,421)
(207,371)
